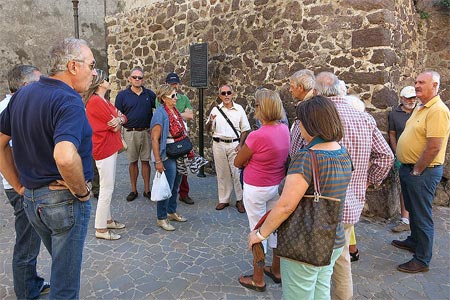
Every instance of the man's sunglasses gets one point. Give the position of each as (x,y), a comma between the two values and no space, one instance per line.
(137,77)
(91,65)
(226,93)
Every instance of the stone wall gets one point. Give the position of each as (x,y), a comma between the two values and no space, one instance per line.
(376,47)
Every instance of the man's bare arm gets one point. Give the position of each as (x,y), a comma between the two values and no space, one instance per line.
(432,149)
(7,166)
(70,167)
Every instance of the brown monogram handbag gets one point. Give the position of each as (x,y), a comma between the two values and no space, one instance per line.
(309,233)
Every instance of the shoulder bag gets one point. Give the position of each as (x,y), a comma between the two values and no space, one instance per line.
(179,148)
(228,121)
(308,234)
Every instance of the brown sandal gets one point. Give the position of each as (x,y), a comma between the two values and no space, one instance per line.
(251,285)
(268,272)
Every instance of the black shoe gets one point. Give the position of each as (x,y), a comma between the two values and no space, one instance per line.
(412,267)
(354,256)
(131,196)
(45,288)
(146,195)
(187,200)
(403,245)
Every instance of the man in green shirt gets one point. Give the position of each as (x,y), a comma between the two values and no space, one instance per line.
(184,107)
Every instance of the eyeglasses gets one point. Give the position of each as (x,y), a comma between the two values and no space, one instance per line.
(226,93)
(137,77)
(91,65)
(173,96)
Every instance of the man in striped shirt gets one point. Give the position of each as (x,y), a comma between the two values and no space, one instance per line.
(372,159)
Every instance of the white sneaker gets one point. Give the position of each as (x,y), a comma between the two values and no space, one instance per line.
(115,225)
(176,217)
(164,224)
(108,235)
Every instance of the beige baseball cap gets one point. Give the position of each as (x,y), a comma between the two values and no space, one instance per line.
(408,92)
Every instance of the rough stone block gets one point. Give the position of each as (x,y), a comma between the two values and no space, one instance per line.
(293,11)
(381,117)
(235,5)
(342,61)
(442,195)
(383,201)
(296,42)
(381,17)
(311,24)
(378,77)
(371,37)
(369,5)
(261,2)
(384,56)
(384,98)
(321,10)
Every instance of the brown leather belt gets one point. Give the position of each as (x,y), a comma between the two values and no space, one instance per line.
(216,139)
(136,129)
(412,166)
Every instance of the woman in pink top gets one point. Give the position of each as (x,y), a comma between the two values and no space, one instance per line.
(264,156)
(106,122)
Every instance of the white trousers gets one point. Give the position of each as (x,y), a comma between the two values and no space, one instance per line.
(107,174)
(227,173)
(258,200)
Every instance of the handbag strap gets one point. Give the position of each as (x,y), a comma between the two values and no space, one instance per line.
(228,120)
(315,171)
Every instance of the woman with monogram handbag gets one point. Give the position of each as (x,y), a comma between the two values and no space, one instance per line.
(309,211)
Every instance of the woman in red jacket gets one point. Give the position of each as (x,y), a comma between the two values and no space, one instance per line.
(106,122)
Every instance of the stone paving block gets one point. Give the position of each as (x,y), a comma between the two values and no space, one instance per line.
(209,252)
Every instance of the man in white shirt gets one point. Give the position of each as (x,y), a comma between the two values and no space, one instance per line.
(227,141)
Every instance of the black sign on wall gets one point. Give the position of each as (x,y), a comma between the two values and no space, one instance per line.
(199,65)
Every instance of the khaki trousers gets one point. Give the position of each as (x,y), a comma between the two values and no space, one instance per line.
(341,281)
(227,173)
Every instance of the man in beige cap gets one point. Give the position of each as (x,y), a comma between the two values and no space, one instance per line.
(397,120)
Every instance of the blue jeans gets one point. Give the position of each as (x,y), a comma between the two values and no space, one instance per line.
(61,220)
(174,178)
(418,193)
(27,283)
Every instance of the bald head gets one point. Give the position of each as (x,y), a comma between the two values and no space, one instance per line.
(327,84)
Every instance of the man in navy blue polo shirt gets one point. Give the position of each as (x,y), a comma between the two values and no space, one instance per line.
(52,164)
(137,102)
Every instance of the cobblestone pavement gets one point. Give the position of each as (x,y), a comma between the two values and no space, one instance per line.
(204,257)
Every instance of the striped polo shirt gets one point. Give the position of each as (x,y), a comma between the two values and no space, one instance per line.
(335,170)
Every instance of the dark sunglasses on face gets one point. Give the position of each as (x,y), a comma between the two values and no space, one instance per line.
(226,93)
(137,77)
(173,96)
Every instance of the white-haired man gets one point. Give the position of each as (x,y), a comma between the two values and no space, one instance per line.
(421,150)
(301,86)
(372,159)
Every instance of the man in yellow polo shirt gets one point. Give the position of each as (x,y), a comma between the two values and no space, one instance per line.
(421,150)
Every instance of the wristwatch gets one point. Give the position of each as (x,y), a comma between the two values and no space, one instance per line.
(415,173)
(85,195)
